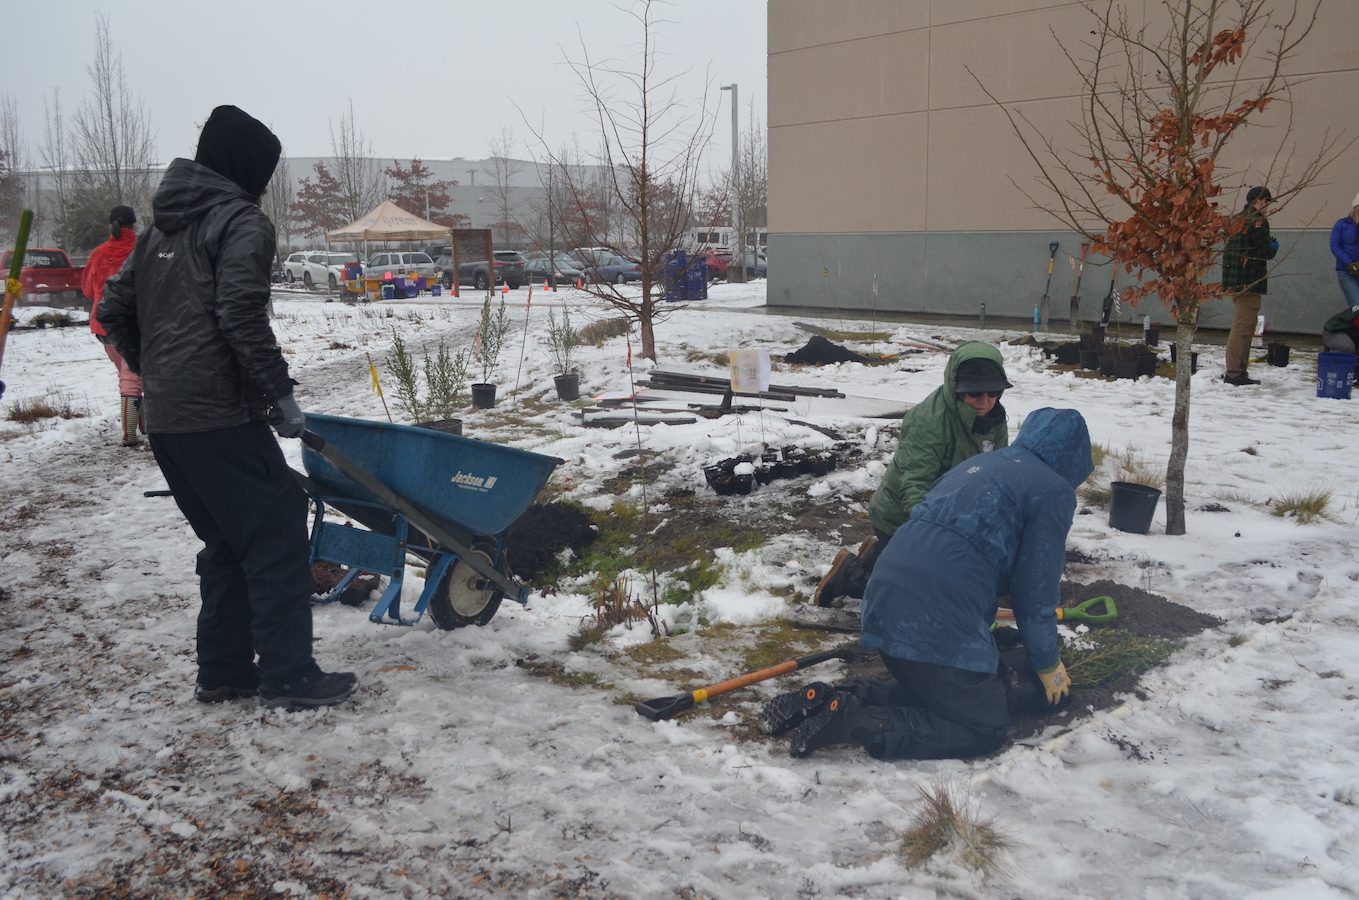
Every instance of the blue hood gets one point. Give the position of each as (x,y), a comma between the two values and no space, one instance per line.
(1060,439)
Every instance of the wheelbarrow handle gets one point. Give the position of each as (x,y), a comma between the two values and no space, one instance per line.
(666,707)
(420,519)
(1079,613)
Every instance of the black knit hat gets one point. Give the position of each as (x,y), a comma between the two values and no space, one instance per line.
(1256,193)
(123,215)
(976,376)
(240,147)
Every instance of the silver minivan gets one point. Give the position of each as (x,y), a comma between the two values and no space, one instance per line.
(399,262)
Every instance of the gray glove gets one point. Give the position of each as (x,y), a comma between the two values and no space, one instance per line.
(1353,269)
(287,417)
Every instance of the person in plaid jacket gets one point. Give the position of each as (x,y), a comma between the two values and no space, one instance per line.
(1244,267)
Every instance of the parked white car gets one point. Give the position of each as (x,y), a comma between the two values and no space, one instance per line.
(399,263)
(312,267)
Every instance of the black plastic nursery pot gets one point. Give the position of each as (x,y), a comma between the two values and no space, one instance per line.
(1276,354)
(483,396)
(568,386)
(1089,359)
(1193,360)
(447,426)
(1132,506)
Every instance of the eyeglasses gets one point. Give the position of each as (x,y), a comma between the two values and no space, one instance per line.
(990,395)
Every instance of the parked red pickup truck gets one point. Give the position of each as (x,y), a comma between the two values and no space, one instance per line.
(46,271)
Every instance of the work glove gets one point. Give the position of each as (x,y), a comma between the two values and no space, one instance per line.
(1275,243)
(287,417)
(1353,268)
(1056,683)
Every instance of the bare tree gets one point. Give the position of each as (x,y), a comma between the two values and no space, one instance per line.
(650,151)
(1159,110)
(278,206)
(14,188)
(361,183)
(749,189)
(504,170)
(55,155)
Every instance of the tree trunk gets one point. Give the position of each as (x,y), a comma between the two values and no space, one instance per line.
(1179,424)
(644,319)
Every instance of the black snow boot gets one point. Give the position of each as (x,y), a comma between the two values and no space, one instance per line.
(222,693)
(843,720)
(321,689)
(788,710)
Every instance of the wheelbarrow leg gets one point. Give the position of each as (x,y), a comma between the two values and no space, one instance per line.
(390,602)
(434,576)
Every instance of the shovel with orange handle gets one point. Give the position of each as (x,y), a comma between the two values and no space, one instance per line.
(666,707)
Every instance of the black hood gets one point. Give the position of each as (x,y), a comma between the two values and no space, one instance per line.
(240,147)
(188,191)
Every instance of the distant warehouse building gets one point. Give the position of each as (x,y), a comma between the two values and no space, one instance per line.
(890,167)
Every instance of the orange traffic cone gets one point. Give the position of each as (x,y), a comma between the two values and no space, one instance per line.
(505,289)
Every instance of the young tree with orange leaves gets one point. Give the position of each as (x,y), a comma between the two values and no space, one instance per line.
(1143,182)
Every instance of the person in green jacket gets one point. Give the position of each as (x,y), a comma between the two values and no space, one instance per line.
(963,417)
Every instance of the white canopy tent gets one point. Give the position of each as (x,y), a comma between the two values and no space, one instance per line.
(388,222)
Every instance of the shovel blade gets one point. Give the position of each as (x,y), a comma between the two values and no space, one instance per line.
(664,707)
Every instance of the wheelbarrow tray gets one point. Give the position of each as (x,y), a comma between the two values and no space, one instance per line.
(478,487)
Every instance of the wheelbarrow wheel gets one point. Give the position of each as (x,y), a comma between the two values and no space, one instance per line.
(463,598)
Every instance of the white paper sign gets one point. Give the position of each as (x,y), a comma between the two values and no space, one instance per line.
(749,370)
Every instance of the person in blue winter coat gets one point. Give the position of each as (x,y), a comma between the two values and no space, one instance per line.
(996,524)
(1345,249)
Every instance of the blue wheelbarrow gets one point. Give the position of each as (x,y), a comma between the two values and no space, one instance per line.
(445,499)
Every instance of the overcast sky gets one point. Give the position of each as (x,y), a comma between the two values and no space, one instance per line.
(428,78)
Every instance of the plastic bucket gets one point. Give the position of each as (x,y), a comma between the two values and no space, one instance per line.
(1132,506)
(483,396)
(1335,375)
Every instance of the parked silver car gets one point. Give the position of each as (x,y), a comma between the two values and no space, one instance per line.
(313,267)
(399,262)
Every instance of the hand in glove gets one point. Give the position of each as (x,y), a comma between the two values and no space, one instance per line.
(287,417)
(1056,683)
(1353,269)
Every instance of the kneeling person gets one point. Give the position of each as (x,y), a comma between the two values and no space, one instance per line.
(994,525)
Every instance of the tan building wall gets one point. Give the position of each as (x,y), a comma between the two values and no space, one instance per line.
(879,126)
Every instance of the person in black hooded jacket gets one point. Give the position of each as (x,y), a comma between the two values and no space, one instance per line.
(189,313)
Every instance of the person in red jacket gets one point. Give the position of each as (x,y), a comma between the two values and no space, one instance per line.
(104,263)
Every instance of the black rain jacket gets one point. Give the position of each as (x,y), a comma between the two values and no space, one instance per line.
(189,309)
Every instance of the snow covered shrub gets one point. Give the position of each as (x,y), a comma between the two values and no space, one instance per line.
(1305,507)
(601,330)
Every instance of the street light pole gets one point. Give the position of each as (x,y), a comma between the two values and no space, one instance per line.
(740,248)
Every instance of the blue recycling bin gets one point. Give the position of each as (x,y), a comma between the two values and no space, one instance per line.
(685,279)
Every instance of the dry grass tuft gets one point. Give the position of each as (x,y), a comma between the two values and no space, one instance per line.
(28,410)
(948,822)
(1306,507)
(1133,468)
(601,330)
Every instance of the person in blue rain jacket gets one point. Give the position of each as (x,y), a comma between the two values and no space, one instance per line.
(996,524)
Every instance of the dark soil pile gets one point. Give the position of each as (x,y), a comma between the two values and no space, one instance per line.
(1139,612)
(819,352)
(542,532)
(327,575)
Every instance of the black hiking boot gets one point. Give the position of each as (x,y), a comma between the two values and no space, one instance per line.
(321,689)
(843,720)
(833,585)
(788,710)
(204,694)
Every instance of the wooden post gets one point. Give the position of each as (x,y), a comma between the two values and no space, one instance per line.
(457,270)
(490,265)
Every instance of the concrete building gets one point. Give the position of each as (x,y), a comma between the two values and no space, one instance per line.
(887,159)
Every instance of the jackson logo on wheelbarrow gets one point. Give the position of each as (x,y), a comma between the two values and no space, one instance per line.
(474,482)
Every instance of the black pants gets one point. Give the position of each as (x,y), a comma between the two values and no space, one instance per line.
(935,712)
(254,571)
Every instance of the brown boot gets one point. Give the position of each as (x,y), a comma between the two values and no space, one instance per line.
(832,585)
(130,410)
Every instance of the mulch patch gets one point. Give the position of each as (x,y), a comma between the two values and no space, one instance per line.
(1139,612)
(542,532)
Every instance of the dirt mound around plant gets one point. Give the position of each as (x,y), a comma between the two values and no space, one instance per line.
(542,532)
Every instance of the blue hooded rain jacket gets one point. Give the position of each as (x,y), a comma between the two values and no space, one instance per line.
(995,524)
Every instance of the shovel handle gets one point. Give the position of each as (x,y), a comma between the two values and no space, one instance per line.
(665,707)
(1078,613)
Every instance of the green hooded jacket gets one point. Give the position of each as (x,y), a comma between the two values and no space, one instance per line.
(936,435)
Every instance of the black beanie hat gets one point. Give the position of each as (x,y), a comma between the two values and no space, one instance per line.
(240,147)
(976,376)
(123,215)
(1256,193)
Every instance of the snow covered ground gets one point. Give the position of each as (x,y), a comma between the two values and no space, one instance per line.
(456,773)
